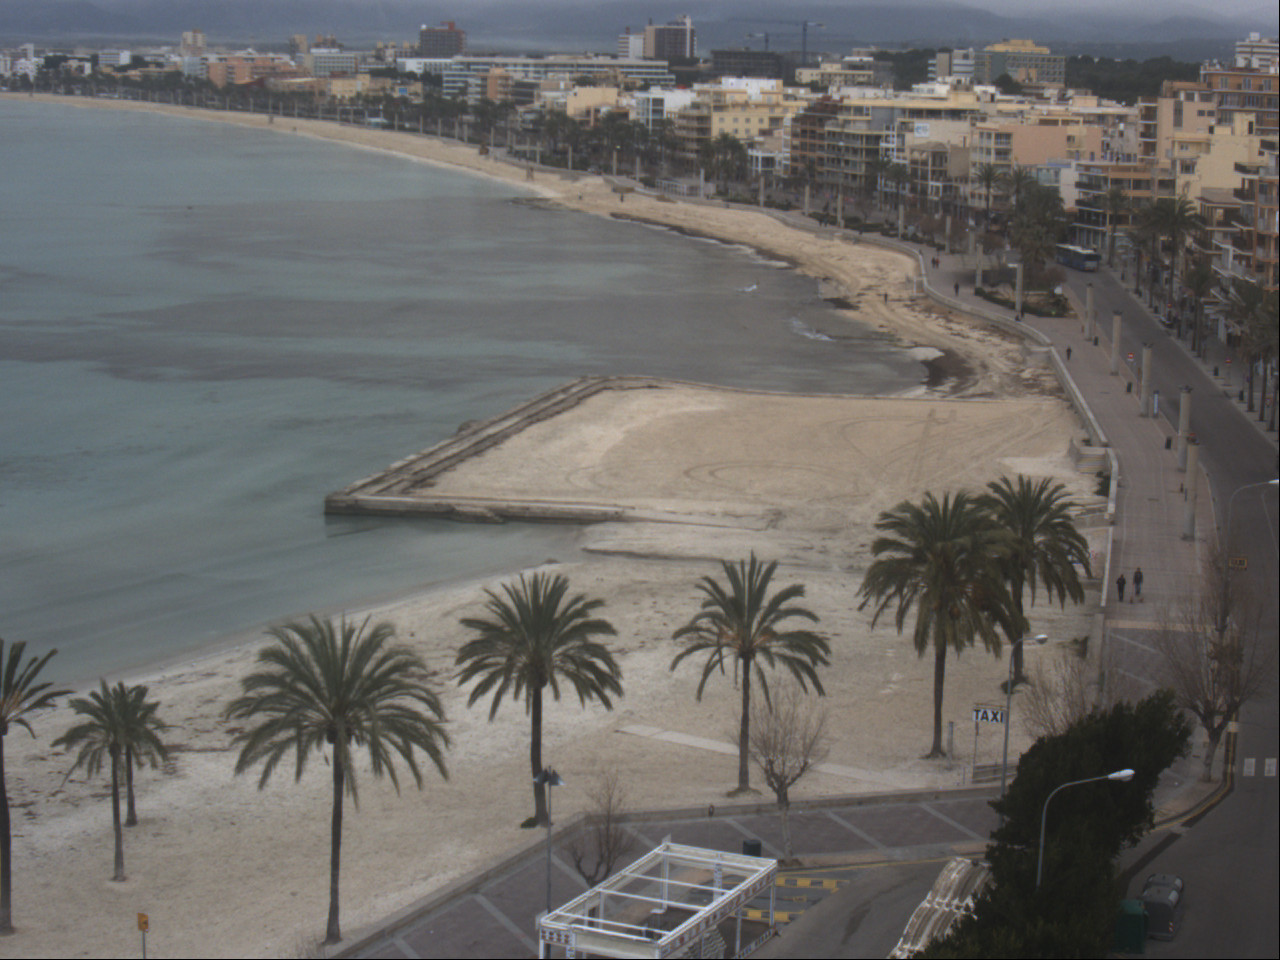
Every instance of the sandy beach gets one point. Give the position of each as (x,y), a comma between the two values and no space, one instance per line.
(223,869)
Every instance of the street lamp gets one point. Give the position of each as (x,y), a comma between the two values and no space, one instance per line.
(1226,548)
(1008,702)
(548,778)
(1125,775)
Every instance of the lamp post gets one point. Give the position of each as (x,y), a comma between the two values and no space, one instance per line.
(548,778)
(1226,549)
(1008,702)
(1125,775)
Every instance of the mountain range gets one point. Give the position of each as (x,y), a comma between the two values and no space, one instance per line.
(593,25)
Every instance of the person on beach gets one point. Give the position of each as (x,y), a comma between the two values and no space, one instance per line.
(1120,582)
(1137,584)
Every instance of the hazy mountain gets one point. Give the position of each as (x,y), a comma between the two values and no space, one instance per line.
(577,25)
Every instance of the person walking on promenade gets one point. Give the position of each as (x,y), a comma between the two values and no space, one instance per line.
(957,289)
(1137,584)
(1068,354)
(1120,582)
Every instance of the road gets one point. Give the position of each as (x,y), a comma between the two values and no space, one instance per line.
(1229,857)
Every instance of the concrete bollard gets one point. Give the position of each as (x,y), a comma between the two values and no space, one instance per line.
(1115,343)
(1017,291)
(1190,486)
(1145,397)
(1184,425)
(1088,311)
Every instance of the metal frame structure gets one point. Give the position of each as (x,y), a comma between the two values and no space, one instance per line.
(665,904)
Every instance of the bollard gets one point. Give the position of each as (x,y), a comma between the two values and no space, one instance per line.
(1144,403)
(1184,425)
(1115,343)
(1191,484)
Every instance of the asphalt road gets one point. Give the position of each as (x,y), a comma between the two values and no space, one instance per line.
(1229,857)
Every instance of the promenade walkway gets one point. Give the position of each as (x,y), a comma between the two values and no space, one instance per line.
(492,914)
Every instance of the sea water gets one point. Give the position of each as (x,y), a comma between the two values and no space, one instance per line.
(204,329)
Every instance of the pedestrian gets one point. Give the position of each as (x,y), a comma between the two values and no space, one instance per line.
(957,289)
(886,298)
(1068,354)
(1120,582)
(1137,584)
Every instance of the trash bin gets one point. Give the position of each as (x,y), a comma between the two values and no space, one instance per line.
(1168,443)
(1128,387)
(751,848)
(1131,928)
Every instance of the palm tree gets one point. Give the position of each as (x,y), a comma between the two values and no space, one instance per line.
(20,695)
(534,638)
(987,176)
(1115,203)
(1199,281)
(1176,218)
(943,560)
(141,744)
(320,686)
(743,622)
(100,736)
(1046,546)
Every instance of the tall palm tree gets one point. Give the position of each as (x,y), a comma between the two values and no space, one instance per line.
(1115,203)
(321,686)
(142,741)
(1046,546)
(1177,218)
(20,696)
(533,638)
(100,736)
(944,561)
(743,622)
(987,176)
(1199,281)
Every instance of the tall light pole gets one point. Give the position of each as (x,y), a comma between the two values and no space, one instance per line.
(1125,775)
(1008,703)
(548,778)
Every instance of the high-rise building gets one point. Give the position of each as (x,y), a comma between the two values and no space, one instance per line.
(676,40)
(630,45)
(1257,51)
(445,40)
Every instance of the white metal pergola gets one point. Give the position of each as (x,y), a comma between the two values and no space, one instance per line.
(669,903)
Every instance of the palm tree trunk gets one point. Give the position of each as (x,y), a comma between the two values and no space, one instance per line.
(131,816)
(540,815)
(115,813)
(332,933)
(939,680)
(6,846)
(744,731)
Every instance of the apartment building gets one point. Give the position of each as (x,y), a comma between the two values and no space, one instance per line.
(745,108)
(437,43)
(1245,90)
(1022,60)
(1142,183)
(676,40)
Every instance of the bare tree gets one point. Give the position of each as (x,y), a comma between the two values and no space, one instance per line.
(788,736)
(1215,655)
(1059,695)
(603,839)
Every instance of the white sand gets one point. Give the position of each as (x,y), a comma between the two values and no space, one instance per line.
(225,870)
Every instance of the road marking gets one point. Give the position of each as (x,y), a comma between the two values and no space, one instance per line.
(811,883)
(779,916)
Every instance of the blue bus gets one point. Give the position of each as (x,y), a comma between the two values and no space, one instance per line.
(1077,258)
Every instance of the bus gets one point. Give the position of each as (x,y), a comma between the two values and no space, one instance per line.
(1077,258)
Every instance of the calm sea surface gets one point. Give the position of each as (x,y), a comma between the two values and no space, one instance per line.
(204,330)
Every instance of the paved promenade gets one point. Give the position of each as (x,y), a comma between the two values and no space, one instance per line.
(889,850)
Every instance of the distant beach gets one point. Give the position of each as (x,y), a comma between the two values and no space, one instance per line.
(223,869)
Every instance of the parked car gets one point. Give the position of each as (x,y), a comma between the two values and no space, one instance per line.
(1163,900)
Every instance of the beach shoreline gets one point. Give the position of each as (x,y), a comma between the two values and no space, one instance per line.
(209,837)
